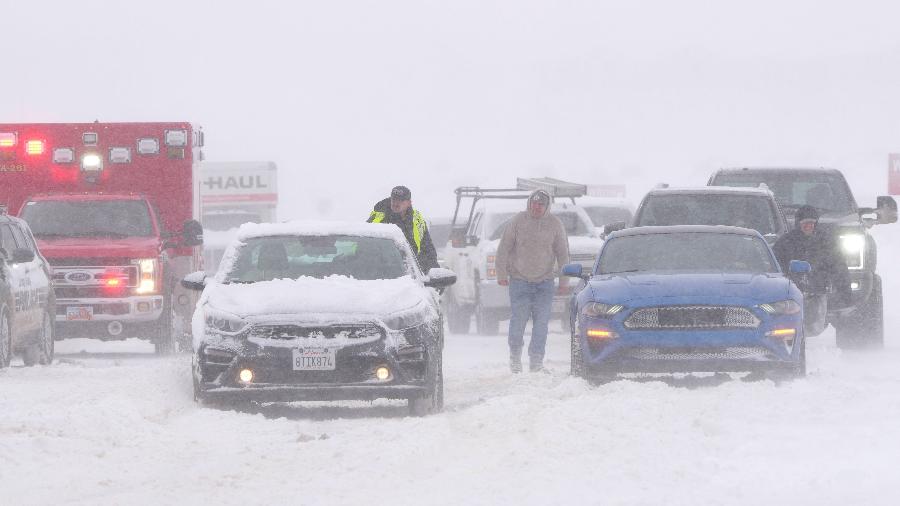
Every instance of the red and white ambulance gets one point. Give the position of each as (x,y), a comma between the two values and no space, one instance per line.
(114,209)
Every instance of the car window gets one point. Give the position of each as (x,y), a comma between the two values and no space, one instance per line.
(20,238)
(748,211)
(6,238)
(605,215)
(98,218)
(686,251)
(822,190)
(292,257)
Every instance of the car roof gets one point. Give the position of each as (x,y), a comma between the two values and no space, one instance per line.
(713,190)
(681,229)
(738,170)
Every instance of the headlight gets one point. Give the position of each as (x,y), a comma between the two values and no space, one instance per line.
(148,269)
(405,320)
(600,310)
(224,322)
(781,307)
(854,247)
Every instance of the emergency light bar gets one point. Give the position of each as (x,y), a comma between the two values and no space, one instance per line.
(34,147)
(176,138)
(8,139)
(148,146)
(63,155)
(119,155)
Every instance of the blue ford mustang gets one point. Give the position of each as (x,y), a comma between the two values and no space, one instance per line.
(687,299)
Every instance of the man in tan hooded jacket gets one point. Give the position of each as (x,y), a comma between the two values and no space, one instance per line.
(532,250)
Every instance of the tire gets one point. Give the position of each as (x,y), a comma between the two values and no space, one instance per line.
(41,352)
(433,401)
(800,371)
(486,322)
(458,318)
(164,343)
(5,340)
(577,367)
(864,328)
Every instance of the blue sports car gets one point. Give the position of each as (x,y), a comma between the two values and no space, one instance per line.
(687,299)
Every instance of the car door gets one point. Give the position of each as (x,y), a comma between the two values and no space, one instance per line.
(39,282)
(18,284)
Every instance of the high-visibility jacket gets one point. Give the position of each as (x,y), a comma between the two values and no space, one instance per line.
(415,229)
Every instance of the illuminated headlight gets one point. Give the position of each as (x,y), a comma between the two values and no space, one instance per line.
(147,269)
(63,155)
(119,155)
(91,161)
(223,322)
(600,310)
(854,247)
(176,138)
(781,307)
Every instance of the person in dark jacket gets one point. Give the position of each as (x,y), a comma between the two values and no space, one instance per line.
(397,209)
(821,250)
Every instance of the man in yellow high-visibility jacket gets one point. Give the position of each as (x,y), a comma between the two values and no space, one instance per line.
(397,209)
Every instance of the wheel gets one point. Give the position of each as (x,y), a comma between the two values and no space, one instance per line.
(41,352)
(864,328)
(458,318)
(432,401)
(5,340)
(577,367)
(164,343)
(486,322)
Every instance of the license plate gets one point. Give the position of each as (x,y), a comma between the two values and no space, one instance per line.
(79,313)
(314,359)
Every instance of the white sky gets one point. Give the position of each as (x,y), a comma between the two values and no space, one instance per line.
(352,98)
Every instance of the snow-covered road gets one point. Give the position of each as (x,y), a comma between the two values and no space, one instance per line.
(112,424)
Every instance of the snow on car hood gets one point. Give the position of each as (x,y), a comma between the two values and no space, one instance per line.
(312,297)
(625,287)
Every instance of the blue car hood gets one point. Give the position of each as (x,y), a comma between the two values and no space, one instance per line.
(690,287)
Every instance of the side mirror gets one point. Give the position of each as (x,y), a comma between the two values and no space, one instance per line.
(573,270)
(194,281)
(612,227)
(438,277)
(886,210)
(21,256)
(192,233)
(799,267)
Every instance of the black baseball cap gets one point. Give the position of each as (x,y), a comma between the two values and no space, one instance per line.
(401,193)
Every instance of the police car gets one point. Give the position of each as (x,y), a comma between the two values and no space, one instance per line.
(27,304)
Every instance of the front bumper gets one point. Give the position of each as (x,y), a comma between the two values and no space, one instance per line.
(138,308)
(218,362)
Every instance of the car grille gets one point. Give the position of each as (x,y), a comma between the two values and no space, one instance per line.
(290,332)
(730,353)
(692,317)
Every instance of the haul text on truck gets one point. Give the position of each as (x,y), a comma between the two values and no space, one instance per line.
(114,209)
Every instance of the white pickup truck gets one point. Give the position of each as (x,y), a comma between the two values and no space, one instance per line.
(472,255)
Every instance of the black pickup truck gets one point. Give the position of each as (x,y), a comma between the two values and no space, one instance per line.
(861,324)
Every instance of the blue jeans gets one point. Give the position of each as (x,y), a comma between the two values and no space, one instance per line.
(535,301)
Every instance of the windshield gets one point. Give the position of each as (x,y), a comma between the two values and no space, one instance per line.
(688,251)
(605,215)
(746,211)
(97,218)
(822,190)
(572,222)
(228,221)
(268,258)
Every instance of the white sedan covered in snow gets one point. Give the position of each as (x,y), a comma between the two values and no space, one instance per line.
(319,311)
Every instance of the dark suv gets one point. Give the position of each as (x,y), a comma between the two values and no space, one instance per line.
(27,305)
(862,323)
(753,208)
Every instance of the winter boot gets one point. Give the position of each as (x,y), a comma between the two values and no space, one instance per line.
(515,361)
(536,364)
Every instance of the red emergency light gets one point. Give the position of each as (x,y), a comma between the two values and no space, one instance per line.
(7,139)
